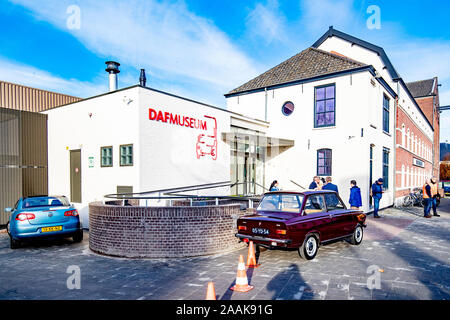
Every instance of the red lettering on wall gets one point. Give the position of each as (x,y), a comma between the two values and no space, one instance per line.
(160,117)
(203,125)
(174,119)
(151,114)
(177,119)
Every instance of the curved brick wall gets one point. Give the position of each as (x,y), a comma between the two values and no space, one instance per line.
(162,232)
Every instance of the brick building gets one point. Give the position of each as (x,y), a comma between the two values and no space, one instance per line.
(426,94)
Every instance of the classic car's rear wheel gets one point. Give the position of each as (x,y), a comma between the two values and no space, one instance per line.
(357,236)
(309,248)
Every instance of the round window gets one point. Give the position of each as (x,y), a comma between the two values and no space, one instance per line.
(288,108)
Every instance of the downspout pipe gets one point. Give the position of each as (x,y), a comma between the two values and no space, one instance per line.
(395,141)
(265,105)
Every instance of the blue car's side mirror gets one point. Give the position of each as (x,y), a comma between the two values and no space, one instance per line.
(8,210)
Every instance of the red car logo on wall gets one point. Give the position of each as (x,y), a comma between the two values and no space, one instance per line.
(207,143)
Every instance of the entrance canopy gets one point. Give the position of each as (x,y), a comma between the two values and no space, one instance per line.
(256,139)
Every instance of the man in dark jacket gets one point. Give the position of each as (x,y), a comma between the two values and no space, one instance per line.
(315,183)
(355,196)
(377,194)
(434,194)
(330,186)
(427,199)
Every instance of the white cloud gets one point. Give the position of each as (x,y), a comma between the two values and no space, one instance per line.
(318,15)
(160,36)
(267,23)
(14,72)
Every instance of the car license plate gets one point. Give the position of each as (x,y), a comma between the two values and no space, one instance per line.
(260,231)
(50,229)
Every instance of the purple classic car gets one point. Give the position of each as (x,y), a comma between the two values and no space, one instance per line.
(302,220)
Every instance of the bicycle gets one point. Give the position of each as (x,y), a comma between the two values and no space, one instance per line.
(415,198)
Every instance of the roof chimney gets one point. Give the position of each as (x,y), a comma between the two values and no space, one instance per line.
(112,68)
(142,78)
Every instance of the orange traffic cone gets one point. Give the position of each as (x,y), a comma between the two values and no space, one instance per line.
(251,258)
(210,292)
(241,278)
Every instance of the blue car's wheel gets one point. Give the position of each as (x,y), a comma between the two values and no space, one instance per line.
(14,244)
(78,237)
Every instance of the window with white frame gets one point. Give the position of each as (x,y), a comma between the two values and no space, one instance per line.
(403,136)
(385,168)
(385,113)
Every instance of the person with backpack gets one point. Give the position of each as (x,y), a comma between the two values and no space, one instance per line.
(355,196)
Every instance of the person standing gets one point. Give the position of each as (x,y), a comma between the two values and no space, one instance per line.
(427,199)
(274,186)
(355,196)
(377,194)
(315,184)
(330,186)
(434,195)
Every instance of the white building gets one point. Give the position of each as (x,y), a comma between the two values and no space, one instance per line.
(329,111)
(337,100)
(137,139)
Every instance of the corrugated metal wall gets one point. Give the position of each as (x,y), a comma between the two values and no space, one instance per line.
(10,154)
(23,157)
(18,97)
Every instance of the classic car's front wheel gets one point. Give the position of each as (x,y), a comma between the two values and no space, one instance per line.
(308,249)
(357,236)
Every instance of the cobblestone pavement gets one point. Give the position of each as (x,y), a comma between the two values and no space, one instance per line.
(410,255)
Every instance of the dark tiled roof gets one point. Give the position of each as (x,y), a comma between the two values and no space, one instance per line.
(421,88)
(307,64)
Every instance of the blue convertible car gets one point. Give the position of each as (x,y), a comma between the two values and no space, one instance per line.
(43,217)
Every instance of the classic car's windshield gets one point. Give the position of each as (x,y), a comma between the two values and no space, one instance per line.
(281,202)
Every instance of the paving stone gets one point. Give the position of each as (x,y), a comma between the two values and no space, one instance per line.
(413,253)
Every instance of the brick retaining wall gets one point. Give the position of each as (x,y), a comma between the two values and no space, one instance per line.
(162,232)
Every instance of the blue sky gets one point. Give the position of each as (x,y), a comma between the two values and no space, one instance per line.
(202,49)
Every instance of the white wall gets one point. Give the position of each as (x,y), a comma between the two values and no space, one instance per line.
(168,152)
(369,57)
(358,105)
(88,125)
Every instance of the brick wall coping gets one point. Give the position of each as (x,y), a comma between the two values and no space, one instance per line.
(163,232)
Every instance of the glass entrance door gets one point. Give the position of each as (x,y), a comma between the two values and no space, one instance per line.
(247,168)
